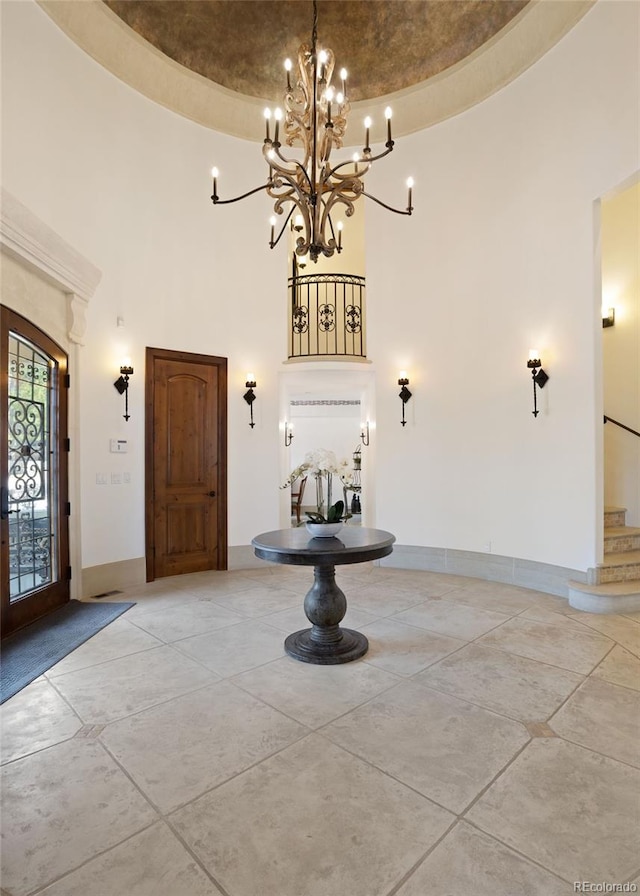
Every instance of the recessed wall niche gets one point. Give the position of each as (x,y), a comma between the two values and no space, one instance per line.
(327,408)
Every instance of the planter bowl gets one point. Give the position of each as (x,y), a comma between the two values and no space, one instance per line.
(324,530)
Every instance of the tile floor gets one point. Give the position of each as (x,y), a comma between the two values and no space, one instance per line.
(486,745)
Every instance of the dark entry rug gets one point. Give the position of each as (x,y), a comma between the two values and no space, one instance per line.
(39,646)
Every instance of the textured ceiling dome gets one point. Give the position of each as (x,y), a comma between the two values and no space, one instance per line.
(386,46)
(218,61)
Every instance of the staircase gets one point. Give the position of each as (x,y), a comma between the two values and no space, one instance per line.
(614,585)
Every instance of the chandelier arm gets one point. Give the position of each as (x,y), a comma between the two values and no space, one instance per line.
(273,244)
(217,201)
(366,166)
(283,172)
(398,211)
(370,159)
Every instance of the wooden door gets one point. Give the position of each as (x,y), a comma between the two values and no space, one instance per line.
(186,465)
(34,508)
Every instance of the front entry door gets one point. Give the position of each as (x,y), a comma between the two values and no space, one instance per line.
(34,531)
(186,524)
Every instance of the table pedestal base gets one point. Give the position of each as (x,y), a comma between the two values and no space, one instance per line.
(351,646)
(325,643)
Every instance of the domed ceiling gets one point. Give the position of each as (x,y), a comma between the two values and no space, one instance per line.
(386,45)
(218,61)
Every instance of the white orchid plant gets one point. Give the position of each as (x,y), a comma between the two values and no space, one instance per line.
(322,464)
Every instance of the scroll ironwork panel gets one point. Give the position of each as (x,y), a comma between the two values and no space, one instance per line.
(31,522)
(327,316)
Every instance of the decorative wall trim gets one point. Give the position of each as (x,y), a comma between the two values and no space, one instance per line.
(326,401)
(35,244)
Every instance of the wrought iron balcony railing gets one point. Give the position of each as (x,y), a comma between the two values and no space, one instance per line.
(327,316)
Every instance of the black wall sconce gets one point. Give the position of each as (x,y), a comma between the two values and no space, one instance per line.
(405,394)
(538,376)
(122,385)
(250,396)
(364,433)
(288,435)
(608,317)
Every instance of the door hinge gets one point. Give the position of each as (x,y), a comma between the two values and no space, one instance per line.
(67,444)
(67,508)
(67,381)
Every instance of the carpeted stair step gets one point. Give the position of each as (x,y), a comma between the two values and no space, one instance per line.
(614,597)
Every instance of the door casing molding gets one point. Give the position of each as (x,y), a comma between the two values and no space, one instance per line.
(39,249)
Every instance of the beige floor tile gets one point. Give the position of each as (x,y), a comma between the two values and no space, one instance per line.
(380,599)
(603,717)
(494,596)
(554,644)
(314,695)
(261,601)
(425,584)
(470,863)
(571,810)
(551,617)
(624,631)
(405,649)
(312,820)
(440,746)
(177,751)
(35,718)
(512,685)
(121,687)
(620,667)
(236,648)
(61,807)
(153,863)
(452,618)
(294,619)
(119,638)
(183,620)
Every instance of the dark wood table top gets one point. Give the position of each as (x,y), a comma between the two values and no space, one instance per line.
(353,544)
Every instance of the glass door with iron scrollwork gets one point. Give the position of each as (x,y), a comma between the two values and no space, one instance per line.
(35,577)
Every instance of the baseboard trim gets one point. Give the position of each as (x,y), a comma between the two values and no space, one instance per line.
(491,567)
(113,576)
(242,556)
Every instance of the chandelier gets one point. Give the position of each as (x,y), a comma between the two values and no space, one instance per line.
(312,186)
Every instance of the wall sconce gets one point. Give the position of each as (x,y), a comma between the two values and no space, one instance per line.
(608,317)
(122,385)
(364,433)
(250,396)
(405,395)
(288,434)
(538,376)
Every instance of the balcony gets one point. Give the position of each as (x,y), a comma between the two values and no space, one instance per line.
(327,316)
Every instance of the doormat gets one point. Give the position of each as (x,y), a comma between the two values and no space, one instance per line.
(39,646)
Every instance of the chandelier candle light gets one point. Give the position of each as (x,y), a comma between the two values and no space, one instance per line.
(315,120)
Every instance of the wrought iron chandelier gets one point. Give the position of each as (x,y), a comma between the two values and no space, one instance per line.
(315,120)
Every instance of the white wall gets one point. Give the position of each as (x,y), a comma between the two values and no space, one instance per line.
(621,349)
(497,257)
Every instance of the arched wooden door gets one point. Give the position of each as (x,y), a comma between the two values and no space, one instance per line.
(186,463)
(34,509)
